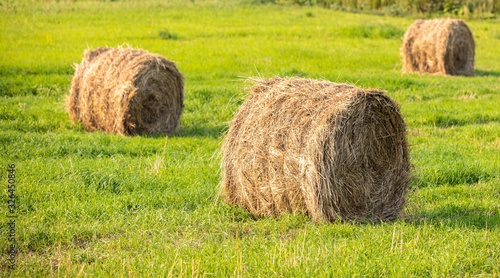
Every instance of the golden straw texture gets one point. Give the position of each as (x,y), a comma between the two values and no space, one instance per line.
(126,91)
(329,150)
(439,46)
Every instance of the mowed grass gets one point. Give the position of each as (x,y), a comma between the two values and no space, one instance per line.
(96,204)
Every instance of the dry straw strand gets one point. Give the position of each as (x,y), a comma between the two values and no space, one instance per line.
(126,91)
(326,149)
(439,46)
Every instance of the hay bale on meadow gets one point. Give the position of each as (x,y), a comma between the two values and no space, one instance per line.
(440,46)
(330,150)
(126,91)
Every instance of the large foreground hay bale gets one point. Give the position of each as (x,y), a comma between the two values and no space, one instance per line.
(439,46)
(126,91)
(329,150)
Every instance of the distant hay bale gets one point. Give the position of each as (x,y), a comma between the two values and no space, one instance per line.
(126,91)
(329,150)
(439,46)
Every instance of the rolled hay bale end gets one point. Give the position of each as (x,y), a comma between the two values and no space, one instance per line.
(126,91)
(439,46)
(329,150)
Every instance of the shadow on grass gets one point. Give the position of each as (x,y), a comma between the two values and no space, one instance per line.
(444,121)
(449,216)
(487,73)
(193,131)
(456,217)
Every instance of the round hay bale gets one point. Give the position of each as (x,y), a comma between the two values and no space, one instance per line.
(126,91)
(439,46)
(329,150)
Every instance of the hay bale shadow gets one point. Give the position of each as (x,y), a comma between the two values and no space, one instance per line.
(454,216)
(193,131)
(493,73)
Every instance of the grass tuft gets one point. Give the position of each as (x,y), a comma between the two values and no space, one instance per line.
(167,35)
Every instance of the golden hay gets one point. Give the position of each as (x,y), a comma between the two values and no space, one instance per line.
(439,46)
(126,91)
(329,150)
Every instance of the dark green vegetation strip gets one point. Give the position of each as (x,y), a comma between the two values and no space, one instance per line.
(465,8)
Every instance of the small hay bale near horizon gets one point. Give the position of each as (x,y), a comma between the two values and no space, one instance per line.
(332,151)
(438,46)
(126,91)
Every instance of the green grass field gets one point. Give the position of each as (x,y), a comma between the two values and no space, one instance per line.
(96,204)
